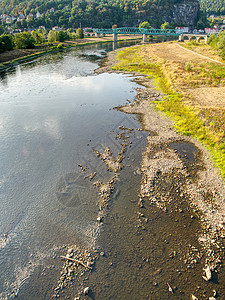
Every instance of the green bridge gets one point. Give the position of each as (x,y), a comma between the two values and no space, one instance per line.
(136,30)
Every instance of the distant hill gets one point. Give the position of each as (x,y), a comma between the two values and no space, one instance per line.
(213,7)
(99,13)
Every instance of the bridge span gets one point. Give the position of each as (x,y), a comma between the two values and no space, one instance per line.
(145,32)
(191,36)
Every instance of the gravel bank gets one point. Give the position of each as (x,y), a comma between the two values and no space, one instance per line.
(186,166)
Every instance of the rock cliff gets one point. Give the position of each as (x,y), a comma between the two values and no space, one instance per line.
(185,13)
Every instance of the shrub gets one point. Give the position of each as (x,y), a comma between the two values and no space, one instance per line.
(188,66)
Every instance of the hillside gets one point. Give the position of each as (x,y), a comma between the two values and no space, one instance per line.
(213,7)
(94,13)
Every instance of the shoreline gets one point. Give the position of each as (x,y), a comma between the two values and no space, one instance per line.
(198,185)
(16,59)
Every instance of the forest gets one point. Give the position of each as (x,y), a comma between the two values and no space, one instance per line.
(88,13)
(213,7)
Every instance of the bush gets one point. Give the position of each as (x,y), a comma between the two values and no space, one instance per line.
(188,66)
(60,46)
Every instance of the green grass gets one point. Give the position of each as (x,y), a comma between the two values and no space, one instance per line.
(187,120)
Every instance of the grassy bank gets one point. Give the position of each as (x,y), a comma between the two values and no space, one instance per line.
(174,79)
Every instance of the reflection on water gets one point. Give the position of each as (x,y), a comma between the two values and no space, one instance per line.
(53,110)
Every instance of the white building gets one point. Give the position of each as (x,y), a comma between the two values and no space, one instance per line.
(183,29)
(38,14)
(211,30)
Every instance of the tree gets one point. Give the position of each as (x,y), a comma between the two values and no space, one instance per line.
(221,45)
(52,36)
(213,40)
(38,37)
(23,40)
(24,23)
(166,25)
(2,30)
(80,33)
(62,36)
(6,42)
(145,25)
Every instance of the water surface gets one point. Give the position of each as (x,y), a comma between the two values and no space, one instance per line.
(52,111)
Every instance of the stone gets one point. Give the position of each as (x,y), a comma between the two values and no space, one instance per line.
(99,219)
(70,250)
(170,288)
(208,274)
(86,290)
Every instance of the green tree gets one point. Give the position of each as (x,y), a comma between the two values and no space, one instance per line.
(145,25)
(2,30)
(24,23)
(213,40)
(80,33)
(62,36)
(52,36)
(38,37)
(6,42)
(165,25)
(221,45)
(23,40)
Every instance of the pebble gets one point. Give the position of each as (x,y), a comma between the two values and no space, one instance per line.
(208,274)
(102,253)
(70,250)
(170,288)
(99,219)
(86,290)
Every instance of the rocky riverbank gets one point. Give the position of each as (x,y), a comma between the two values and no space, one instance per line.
(179,178)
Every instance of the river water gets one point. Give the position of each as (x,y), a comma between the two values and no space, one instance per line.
(53,110)
(55,114)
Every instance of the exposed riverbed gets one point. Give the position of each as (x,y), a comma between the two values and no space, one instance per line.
(129,205)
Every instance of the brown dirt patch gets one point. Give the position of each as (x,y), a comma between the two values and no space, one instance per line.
(171,52)
(209,96)
(205,91)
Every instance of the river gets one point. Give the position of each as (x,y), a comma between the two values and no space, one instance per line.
(53,110)
(61,141)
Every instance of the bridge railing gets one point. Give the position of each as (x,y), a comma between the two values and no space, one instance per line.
(137,30)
